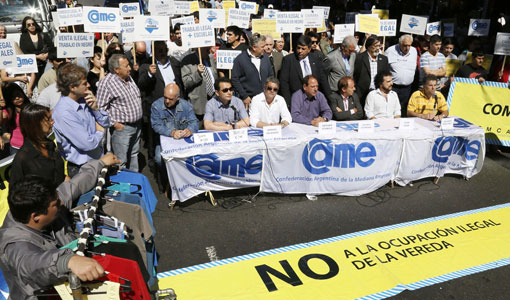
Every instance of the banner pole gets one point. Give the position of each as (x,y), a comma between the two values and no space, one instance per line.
(290,42)
(134,53)
(200,55)
(104,43)
(153,53)
(383,43)
(230,74)
(503,66)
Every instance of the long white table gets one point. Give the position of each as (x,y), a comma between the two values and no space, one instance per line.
(348,163)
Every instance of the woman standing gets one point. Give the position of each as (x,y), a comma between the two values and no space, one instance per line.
(33,41)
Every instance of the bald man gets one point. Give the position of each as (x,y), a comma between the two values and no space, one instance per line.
(174,117)
(140,48)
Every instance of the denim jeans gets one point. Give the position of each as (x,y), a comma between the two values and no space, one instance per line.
(126,144)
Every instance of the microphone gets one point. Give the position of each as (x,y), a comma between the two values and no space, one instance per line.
(235,112)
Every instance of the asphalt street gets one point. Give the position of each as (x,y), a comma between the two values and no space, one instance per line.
(186,235)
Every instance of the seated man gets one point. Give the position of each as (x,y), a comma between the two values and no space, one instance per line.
(344,102)
(225,111)
(382,102)
(34,230)
(309,106)
(174,117)
(268,108)
(428,103)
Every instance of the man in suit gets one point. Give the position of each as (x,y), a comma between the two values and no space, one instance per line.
(275,57)
(367,65)
(345,103)
(251,69)
(298,65)
(340,63)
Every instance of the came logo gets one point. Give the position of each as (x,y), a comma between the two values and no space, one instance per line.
(413,22)
(24,61)
(95,17)
(246,6)
(151,25)
(209,167)
(444,147)
(129,8)
(479,25)
(434,28)
(320,155)
(211,16)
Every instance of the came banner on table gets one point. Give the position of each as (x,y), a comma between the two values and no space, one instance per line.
(331,166)
(485,105)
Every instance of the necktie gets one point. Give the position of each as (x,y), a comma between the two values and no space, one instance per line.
(209,85)
(307,69)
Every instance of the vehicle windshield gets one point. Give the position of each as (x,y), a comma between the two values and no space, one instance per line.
(15,10)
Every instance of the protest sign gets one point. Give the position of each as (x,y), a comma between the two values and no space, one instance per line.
(448,29)
(101,19)
(265,27)
(479,27)
(182,7)
(369,24)
(270,13)
(183,21)
(388,27)
(452,66)
(238,17)
(434,28)
(7,54)
(322,28)
(225,58)
(197,35)
(350,17)
(356,19)
(382,14)
(129,9)
(226,6)
(54,16)
(161,7)
(324,8)
(341,31)
(153,28)
(290,21)
(413,24)
(213,17)
(250,7)
(502,46)
(194,6)
(70,16)
(313,18)
(127,30)
(25,64)
(75,45)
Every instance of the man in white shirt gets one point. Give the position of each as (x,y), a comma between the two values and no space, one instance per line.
(268,108)
(382,102)
(403,60)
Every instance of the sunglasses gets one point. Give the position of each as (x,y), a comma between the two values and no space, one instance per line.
(230,89)
(30,24)
(315,42)
(272,89)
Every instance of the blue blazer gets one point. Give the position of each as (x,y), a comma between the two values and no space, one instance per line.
(245,77)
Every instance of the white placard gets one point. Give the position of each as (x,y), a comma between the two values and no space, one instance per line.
(356,19)
(161,7)
(327,128)
(313,18)
(388,27)
(153,28)
(272,132)
(101,19)
(7,54)
(127,30)
(341,31)
(406,124)
(238,135)
(182,7)
(324,8)
(183,21)
(250,7)
(238,18)
(213,17)
(197,35)
(289,22)
(270,13)
(203,137)
(70,16)
(502,46)
(71,45)
(25,64)
(129,9)
(413,24)
(54,16)
(479,27)
(434,28)
(366,126)
(350,17)
(447,123)
(225,58)
(448,29)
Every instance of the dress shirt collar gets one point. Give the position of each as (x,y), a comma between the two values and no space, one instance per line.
(305,59)
(251,55)
(305,96)
(399,51)
(164,65)
(119,80)
(74,105)
(220,104)
(372,59)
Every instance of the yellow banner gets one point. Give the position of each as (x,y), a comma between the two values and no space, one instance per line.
(323,28)
(485,105)
(265,27)
(452,66)
(383,14)
(194,6)
(5,170)
(373,262)
(487,60)
(226,6)
(369,24)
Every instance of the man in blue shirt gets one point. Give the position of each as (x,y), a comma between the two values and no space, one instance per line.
(79,124)
(309,106)
(174,117)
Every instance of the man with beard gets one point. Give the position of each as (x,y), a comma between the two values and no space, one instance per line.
(383,102)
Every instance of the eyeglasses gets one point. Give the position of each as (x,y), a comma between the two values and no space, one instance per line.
(30,24)
(272,89)
(230,89)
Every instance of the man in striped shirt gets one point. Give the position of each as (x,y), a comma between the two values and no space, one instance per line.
(428,103)
(119,96)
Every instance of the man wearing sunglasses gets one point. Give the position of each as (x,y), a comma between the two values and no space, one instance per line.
(268,108)
(225,111)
